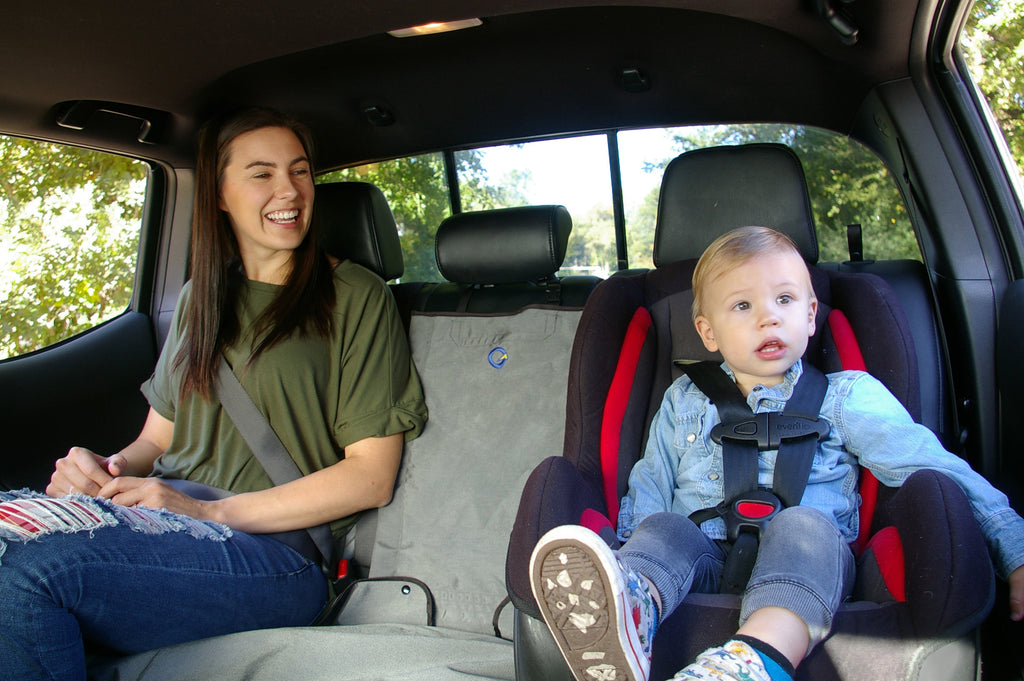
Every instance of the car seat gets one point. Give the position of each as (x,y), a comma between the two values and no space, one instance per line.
(492,348)
(925,580)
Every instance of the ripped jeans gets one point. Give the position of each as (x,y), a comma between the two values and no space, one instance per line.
(76,570)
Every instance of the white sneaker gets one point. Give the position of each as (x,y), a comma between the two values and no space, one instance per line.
(733,661)
(600,613)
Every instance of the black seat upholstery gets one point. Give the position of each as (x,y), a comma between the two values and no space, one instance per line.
(503,260)
(353,220)
(632,329)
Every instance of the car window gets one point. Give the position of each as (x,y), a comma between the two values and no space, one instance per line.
(417,191)
(992,46)
(573,172)
(69,240)
(848,184)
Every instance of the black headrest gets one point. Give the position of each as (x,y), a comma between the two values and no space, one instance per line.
(707,192)
(354,221)
(503,246)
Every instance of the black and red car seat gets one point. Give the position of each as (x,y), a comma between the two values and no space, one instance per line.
(925,581)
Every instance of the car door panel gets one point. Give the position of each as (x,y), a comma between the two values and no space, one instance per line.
(83,392)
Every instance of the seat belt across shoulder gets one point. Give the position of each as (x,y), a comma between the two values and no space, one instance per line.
(267,448)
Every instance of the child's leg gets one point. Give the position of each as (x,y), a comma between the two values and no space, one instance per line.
(805,566)
(597,603)
(803,571)
(675,557)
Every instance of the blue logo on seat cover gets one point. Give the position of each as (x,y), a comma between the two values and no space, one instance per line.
(497,357)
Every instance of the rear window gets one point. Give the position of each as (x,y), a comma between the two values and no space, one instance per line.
(848,185)
(417,191)
(847,182)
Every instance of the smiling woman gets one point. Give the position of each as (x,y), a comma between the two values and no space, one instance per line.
(267,193)
(268,302)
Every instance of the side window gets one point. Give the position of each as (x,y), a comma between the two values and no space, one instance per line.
(573,172)
(69,240)
(992,45)
(847,183)
(417,192)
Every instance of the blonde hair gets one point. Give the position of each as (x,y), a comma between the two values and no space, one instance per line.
(732,249)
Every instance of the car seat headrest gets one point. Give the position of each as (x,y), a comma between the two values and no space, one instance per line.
(504,246)
(707,192)
(354,221)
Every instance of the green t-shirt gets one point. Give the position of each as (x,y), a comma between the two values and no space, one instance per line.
(319,395)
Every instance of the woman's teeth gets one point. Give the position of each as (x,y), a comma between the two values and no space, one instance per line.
(283,215)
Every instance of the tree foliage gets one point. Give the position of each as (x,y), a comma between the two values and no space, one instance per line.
(416,188)
(993,48)
(68,240)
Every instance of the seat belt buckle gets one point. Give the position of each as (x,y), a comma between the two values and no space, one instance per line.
(751,512)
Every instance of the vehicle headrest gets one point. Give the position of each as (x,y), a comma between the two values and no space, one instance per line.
(354,221)
(503,246)
(707,192)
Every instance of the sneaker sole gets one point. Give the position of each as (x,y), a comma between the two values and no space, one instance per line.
(583,602)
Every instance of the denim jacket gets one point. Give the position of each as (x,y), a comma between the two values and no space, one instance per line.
(681,471)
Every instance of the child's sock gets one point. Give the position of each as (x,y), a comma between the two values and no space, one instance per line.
(775,663)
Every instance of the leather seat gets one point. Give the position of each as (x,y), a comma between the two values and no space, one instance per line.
(503,260)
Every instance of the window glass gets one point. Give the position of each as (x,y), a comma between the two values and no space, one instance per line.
(573,172)
(69,240)
(847,183)
(416,189)
(992,46)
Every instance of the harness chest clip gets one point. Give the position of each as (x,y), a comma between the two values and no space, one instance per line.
(767,430)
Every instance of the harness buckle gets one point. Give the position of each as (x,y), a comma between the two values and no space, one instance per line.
(768,429)
(750,512)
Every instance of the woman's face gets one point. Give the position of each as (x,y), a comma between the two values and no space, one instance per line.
(266,190)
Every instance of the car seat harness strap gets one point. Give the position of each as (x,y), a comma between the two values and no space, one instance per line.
(794,433)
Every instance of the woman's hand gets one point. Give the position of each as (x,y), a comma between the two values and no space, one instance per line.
(85,472)
(152,493)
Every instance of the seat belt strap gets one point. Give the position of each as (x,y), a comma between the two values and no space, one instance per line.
(720,389)
(747,509)
(793,464)
(739,458)
(265,446)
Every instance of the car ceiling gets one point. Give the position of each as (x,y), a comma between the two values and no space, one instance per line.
(532,68)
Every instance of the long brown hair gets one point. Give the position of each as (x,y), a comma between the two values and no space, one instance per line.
(211,319)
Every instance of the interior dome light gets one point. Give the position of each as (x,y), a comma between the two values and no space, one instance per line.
(435,27)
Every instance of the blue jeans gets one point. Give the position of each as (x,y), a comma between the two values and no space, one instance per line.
(78,570)
(803,564)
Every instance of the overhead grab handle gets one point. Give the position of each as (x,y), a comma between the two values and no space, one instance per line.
(840,22)
(78,114)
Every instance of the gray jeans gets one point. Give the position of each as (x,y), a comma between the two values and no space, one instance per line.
(803,564)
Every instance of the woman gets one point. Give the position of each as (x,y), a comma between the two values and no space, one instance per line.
(319,347)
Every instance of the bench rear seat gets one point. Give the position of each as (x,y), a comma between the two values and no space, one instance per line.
(495,377)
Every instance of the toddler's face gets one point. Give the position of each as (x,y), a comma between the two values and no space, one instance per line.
(759,315)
